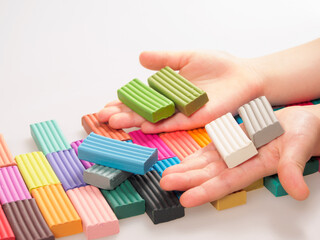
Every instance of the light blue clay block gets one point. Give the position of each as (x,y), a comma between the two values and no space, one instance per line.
(162,165)
(238,119)
(117,154)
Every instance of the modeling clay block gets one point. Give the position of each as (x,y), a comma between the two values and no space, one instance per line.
(49,137)
(152,141)
(187,97)
(117,154)
(12,186)
(231,142)
(6,232)
(75,146)
(161,206)
(255,185)
(316,101)
(68,168)
(97,217)
(181,143)
(57,210)
(311,167)
(160,166)
(272,183)
(231,200)
(145,101)
(299,104)
(125,201)
(200,136)
(26,220)
(277,108)
(36,170)
(238,119)
(6,158)
(260,121)
(91,123)
(105,177)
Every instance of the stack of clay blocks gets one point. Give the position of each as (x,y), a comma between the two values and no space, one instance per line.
(87,202)
(20,209)
(168,90)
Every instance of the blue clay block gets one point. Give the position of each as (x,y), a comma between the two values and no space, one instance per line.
(162,165)
(129,141)
(238,119)
(68,168)
(316,101)
(117,154)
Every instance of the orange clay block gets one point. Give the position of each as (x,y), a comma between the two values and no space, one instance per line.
(57,210)
(97,217)
(91,123)
(255,185)
(231,200)
(181,143)
(201,136)
(6,158)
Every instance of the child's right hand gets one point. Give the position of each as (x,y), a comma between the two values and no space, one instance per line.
(229,82)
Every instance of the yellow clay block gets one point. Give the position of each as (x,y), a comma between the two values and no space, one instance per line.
(231,200)
(255,185)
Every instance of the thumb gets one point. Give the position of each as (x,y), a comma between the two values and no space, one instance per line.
(157,60)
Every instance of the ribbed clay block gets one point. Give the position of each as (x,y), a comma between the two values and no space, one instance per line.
(200,136)
(260,121)
(57,210)
(26,220)
(152,141)
(6,158)
(12,186)
(117,154)
(160,166)
(231,200)
(49,137)
(255,185)
(105,177)
(91,123)
(231,142)
(97,217)
(36,170)
(125,201)
(187,97)
(181,143)
(316,101)
(161,206)
(145,101)
(68,168)
(6,232)
(75,146)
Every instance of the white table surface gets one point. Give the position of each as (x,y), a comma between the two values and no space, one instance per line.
(63,59)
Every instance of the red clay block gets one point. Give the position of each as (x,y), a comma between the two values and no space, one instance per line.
(6,158)
(5,229)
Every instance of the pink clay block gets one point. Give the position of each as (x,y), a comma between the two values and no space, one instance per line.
(152,141)
(98,219)
(75,146)
(12,186)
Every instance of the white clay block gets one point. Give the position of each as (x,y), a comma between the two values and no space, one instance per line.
(260,121)
(231,142)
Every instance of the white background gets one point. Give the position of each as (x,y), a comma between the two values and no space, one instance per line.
(63,59)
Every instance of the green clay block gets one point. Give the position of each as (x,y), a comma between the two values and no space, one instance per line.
(312,166)
(125,201)
(316,101)
(145,101)
(187,97)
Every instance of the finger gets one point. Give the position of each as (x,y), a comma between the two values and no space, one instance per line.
(126,120)
(113,103)
(158,60)
(105,113)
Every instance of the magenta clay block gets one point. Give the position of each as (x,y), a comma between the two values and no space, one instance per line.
(75,146)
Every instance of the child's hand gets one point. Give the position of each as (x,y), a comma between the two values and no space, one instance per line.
(205,177)
(229,82)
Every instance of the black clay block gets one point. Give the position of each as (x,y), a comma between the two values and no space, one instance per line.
(26,220)
(161,206)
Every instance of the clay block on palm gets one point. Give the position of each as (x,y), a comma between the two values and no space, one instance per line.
(26,220)
(260,121)
(125,201)
(231,200)
(231,142)
(200,136)
(105,177)
(145,101)
(161,206)
(187,97)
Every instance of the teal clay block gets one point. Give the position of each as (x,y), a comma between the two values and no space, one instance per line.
(187,97)
(316,101)
(145,101)
(125,201)
(312,166)
(49,137)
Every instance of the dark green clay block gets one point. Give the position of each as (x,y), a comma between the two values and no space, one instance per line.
(145,101)
(273,184)
(316,101)
(187,97)
(125,201)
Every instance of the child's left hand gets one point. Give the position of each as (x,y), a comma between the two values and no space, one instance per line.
(205,177)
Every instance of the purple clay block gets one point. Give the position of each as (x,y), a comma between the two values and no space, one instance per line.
(12,186)
(68,168)
(75,146)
